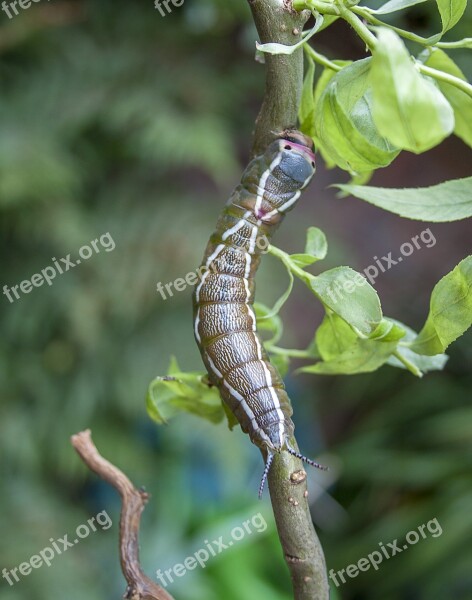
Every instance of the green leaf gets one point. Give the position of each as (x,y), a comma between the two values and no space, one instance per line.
(344,353)
(339,346)
(451,11)
(230,418)
(307,103)
(326,77)
(281,362)
(388,330)
(459,100)
(316,248)
(303,260)
(316,243)
(448,201)
(174,368)
(183,392)
(344,124)
(416,363)
(334,336)
(268,321)
(393,6)
(328,20)
(450,313)
(308,126)
(312,350)
(405,358)
(280,302)
(364,356)
(348,294)
(408,109)
(357,179)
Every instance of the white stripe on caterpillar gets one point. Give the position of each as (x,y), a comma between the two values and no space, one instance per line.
(239,364)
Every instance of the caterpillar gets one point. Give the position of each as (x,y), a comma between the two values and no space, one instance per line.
(224,320)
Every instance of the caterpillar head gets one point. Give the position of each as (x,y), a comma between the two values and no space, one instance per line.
(297,158)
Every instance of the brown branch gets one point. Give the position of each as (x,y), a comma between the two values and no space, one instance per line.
(276,21)
(302,548)
(140,587)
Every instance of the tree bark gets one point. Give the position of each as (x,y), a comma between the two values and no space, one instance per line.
(277,22)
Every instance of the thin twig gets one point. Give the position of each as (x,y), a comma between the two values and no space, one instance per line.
(140,587)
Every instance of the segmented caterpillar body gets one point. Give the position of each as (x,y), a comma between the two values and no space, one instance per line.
(225,323)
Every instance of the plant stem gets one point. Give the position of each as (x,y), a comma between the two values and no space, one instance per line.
(338,9)
(409,35)
(368,16)
(321,59)
(292,352)
(362,30)
(446,78)
(465,43)
(276,22)
(321,6)
(291,266)
(408,365)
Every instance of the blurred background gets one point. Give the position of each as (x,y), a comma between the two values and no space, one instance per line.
(117,120)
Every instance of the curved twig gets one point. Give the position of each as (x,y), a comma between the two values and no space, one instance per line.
(140,587)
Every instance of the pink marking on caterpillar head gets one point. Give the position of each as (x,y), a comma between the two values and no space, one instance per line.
(300,147)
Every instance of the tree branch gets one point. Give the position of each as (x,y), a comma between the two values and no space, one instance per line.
(140,587)
(301,546)
(276,22)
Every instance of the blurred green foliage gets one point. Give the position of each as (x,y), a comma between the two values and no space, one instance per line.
(117,120)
